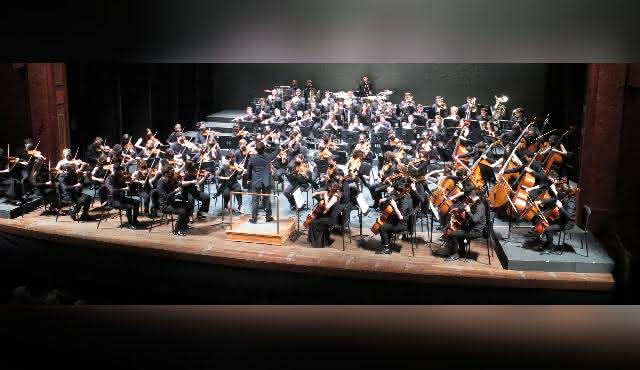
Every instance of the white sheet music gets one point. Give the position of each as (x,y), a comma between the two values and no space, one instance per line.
(362,203)
(297,196)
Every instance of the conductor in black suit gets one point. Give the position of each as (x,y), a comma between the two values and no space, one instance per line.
(260,170)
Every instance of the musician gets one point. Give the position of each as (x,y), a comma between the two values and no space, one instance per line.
(439,107)
(333,174)
(167,189)
(331,123)
(180,147)
(319,229)
(94,150)
(263,109)
(141,143)
(409,124)
(364,146)
(453,114)
(42,181)
(365,113)
(11,179)
(387,169)
(300,176)
(277,120)
(365,87)
(566,204)
(307,90)
(141,186)
(297,101)
(518,117)
(129,152)
(402,204)
(71,187)
(472,217)
(478,150)
(484,115)
(327,102)
(99,174)
(191,186)
(229,175)
(117,186)
(383,126)
(177,129)
(356,125)
(469,109)
(294,85)
(420,116)
(261,182)
(289,113)
(407,105)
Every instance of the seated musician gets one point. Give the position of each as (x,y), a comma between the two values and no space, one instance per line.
(71,188)
(298,101)
(365,113)
(66,158)
(168,190)
(307,90)
(332,174)
(177,130)
(277,120)
(11,179)
(228,176)
(566,204)
(94,150)
(331,123)
(263,109)
(420,116)
(484,115)
(383,126)
(365,147)
(141,143)
(288,112)
(356,125)
(99,174)
(300,176)
(465,109)
(386,171)
(518,116)
(43,182)
(398,221)
(471,213)
(316,112)
(319,230)
(440,107)
(327,102)
(180,146)
(117,187)
(141,185)
(192,186)
(409,124)
(201,135)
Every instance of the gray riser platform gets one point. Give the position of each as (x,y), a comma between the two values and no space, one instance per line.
(8,210)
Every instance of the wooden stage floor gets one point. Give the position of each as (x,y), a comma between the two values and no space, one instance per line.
(206,244)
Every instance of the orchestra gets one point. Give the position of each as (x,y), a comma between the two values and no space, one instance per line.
(455,162)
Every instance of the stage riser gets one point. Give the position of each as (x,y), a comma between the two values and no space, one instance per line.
(9,211)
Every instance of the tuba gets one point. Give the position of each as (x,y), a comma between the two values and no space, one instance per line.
(499,108)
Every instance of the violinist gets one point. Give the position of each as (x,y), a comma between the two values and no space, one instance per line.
(167,189)
(180,147)
(191,185)
(141,143)
(150,151)
(319,229)
(99,174)
(11,184)
(229,175)
(201,136)
(277,120)
(117,187)
(388,168)
(141,185)
(42,181)
(71,190)
(402,204)
(364,146)
(177,130)
(95,149)
(300,177)
(248,117)
(409,124)
(467,222)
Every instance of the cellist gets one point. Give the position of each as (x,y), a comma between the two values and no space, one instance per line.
(402,204)
(319,229)
(472,215)
(566,208)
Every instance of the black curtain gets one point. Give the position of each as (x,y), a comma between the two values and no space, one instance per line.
(109,100)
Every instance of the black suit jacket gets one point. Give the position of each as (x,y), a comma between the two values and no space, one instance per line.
(260,170)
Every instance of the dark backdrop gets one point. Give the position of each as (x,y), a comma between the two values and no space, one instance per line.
(111,99)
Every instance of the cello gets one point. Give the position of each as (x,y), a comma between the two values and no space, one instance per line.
(387,211)
(499,193)
(320,208)
(554,157)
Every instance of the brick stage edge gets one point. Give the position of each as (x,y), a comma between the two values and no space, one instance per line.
(206,244)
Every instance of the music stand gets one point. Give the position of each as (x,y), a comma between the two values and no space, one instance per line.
(448,122)
(297,197)
(340,157)
(350,137)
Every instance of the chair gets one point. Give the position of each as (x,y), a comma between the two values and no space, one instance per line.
(62,204)
(165,216)
(410,233)
(486,234)
(106,207)
(345,226)
(580,230)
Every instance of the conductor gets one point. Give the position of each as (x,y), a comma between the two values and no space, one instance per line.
(261,180)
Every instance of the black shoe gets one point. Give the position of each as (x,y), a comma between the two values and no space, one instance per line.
(84,217)
(131,227)
(200,216)
(181,233)
(269,219)
(384,250)
(253,220)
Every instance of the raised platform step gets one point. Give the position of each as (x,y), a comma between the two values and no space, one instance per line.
(262,232)
(9,210)
(224,116)
(515,254)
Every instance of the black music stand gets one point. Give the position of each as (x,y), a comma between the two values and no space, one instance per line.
(448,122)
(340,157)
(351,137)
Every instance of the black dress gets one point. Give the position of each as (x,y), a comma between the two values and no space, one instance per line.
(319,229)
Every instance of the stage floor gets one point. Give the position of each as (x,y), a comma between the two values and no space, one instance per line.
(206,244)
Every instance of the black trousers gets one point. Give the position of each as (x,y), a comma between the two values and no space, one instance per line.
(459,236)
(203,197)
(181,209)
(319,231)
(226,194)
(376,191)
(81,201)
(289,190)
(255,199)
(12,188)
(130,205)
(387,229)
